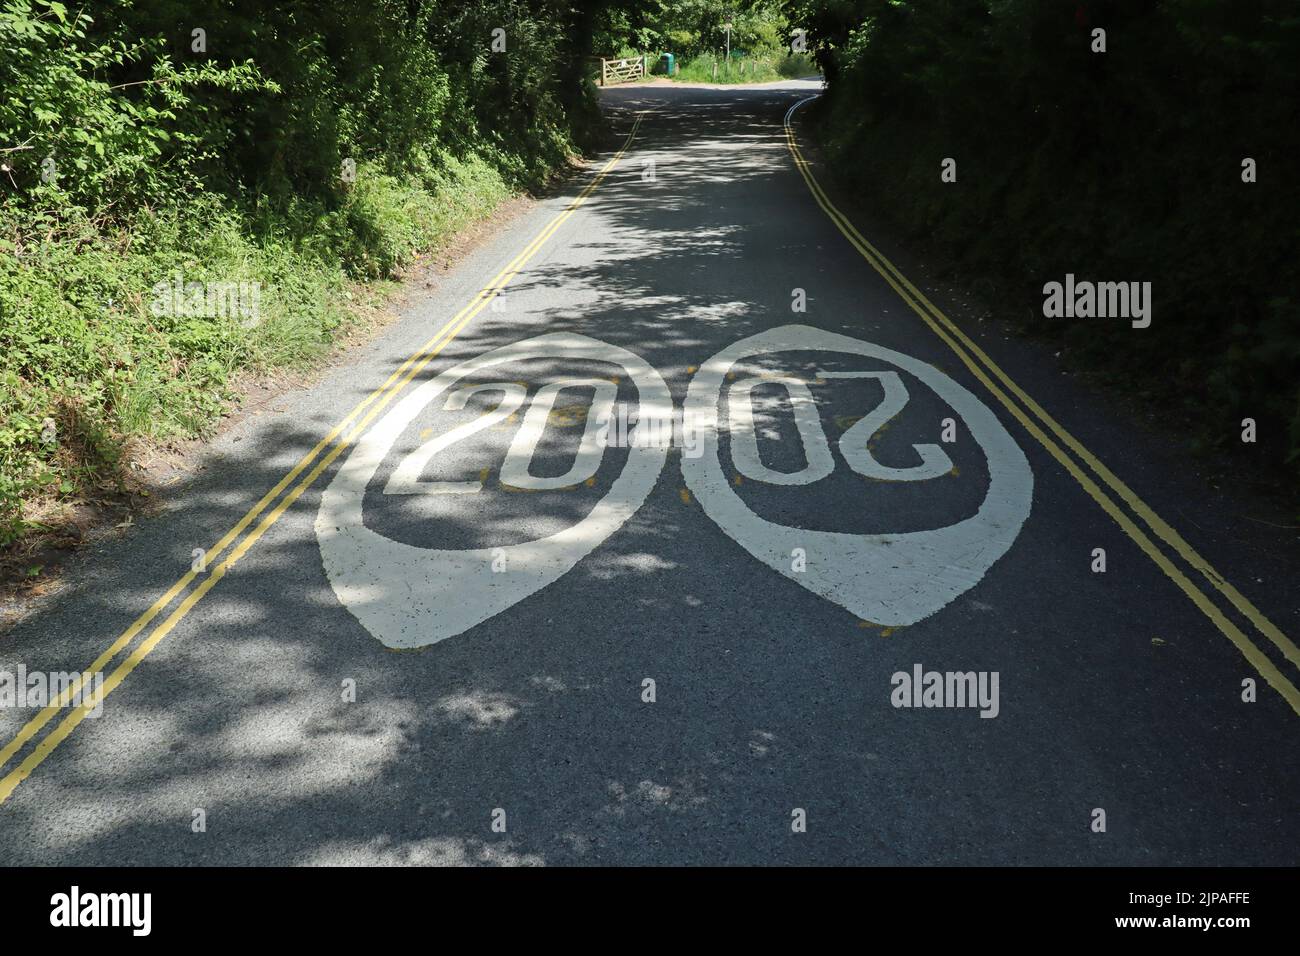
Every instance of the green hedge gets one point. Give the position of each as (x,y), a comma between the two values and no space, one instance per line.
(1122,166)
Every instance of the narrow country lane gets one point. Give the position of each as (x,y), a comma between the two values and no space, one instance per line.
(489,630)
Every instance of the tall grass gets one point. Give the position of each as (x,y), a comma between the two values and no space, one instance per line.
(83,344)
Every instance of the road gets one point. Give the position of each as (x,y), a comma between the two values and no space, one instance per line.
(525,642)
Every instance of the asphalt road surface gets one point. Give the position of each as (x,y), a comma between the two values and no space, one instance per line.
(496,626)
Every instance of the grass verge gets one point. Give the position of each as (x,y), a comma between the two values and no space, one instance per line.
(760,68)
(114,336)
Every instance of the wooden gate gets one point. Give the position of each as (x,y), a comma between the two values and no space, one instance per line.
(621,71)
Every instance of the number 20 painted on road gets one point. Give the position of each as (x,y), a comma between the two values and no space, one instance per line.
(516,469)
(407,596)
(817,450)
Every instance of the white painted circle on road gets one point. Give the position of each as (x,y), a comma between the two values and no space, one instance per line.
(891,579)
(407,596)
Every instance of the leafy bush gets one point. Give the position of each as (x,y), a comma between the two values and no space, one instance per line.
(68,128)
(290,150)
(691,29)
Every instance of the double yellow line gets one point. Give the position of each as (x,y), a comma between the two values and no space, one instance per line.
(981,366)
(354,425)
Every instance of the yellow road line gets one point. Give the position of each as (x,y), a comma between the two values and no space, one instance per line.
(951,335)
(382,396)
(45,714)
